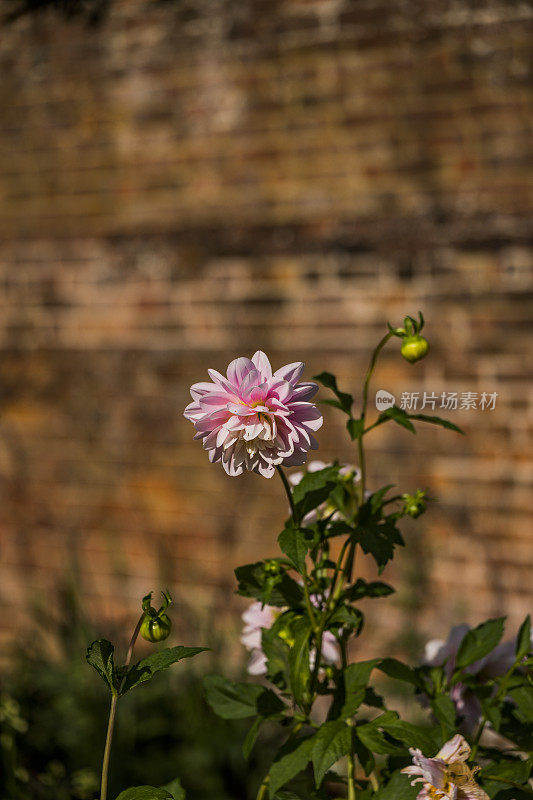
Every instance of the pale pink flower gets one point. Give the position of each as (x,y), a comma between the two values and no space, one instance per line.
(446,776)
(258,617)
(255,419)
(494,664)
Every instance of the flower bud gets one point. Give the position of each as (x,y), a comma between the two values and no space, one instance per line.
(156,629)
(414,348)
(414,505)
(156,625)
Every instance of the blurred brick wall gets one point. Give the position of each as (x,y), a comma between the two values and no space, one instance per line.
(190,181)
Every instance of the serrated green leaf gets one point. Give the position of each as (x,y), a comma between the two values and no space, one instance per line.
(523,640)
(296,542)
(355,678)
(291,759)
(330,382)
(375,741)
(412,735)
(233,700)
(331,742)
(379,540)
(480,641)
(144,793)
(100,656)
(145,669)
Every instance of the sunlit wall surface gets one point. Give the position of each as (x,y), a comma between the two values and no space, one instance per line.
(185,182)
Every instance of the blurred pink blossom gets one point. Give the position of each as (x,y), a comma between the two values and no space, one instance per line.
(256,618)
(494,664)
(446,776)
(254,419)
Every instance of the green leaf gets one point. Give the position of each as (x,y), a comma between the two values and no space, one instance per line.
(313,489)
(356,677)
(300,673)
(347,617)
(375,741)
(411,735)
(251,737)
(145,669)
(398,670)
(355,428)
(361,589)
(231,700)
(175,789)
(331,742)
(479,642)
(145,793)
(379,539)
(523,697)
(397,415)
(100,656)
(523,640)
(291,759)
(444,709)
(499,773)
(444,423)
(277,654)
(398,788)
(296,542)
(255,582)
(345,400)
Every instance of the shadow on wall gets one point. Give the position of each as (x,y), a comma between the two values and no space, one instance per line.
(93,11)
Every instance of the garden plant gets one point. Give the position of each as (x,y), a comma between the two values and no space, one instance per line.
(476,741)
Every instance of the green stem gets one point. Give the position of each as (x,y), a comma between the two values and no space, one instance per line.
(113,713)
(263,790)
(351,777)
(477,738)
(360,448)
(308,603)
(287,487)
(107,750)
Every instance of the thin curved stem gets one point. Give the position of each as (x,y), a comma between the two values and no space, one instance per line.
(360,448)
(287,487)
(113,714)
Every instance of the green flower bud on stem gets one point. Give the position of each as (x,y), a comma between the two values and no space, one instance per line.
(156,625)
(414,348)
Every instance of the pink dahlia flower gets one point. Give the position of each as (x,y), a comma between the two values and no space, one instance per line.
(254,419)
(256,618)
(446,776)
